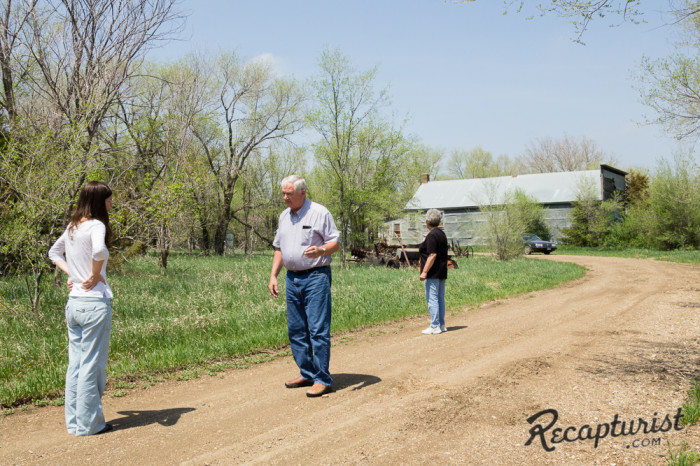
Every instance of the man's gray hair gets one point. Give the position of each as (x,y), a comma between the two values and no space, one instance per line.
(297,181)
(433,217)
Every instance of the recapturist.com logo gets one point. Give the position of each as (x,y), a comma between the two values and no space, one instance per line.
(544,429)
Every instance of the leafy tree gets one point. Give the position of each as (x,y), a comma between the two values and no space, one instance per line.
(33,197)
(260,201)
(377,195)
(503,229)
(154,160)
(674,200)
(659,212)
(366,168)
(591,219)
(346,118)
(507,218)
(532,214)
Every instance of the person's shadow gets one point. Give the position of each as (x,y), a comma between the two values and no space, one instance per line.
(456,327)
(356,381)
(164,417)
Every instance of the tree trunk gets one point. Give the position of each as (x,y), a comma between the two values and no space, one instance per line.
(220,236)
(35,293)
(164,257)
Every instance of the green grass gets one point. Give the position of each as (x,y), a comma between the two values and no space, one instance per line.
(209,313)
(683,457)
(691,415)
(691,256)
(691,408)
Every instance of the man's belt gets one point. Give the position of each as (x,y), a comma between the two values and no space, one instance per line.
(302,272)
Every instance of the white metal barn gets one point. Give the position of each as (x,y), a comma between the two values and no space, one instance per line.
(460,200)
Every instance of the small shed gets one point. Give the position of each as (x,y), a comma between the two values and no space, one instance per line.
(460,202)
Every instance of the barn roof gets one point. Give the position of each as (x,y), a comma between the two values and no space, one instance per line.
(546,188)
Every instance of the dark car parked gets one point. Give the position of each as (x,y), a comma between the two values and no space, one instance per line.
(533,243)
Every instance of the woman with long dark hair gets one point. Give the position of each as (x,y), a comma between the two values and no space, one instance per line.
(82,253)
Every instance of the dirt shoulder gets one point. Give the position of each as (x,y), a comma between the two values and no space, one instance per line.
(618,345)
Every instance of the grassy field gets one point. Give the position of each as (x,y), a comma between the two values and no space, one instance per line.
(205,312)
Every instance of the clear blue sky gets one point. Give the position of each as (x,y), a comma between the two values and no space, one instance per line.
(465,75)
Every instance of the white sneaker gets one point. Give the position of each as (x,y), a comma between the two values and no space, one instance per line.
(432,331)
(443,328)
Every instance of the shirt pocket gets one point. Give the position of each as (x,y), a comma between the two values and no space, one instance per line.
(307,236)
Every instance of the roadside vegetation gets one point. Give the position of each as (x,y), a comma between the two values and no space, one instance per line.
(691,408)
(208,313)
(685,456)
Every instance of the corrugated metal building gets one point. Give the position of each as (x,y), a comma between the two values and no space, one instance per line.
(459,200)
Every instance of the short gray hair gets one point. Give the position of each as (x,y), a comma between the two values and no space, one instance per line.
(297,181)
(433,217)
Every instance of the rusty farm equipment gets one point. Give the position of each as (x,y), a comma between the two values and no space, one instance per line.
(394,257)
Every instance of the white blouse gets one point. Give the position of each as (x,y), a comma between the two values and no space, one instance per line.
(79,248)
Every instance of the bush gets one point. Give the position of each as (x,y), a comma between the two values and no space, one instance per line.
(592,222)
(667,215)
(135,250)
(506,222)
(674,201)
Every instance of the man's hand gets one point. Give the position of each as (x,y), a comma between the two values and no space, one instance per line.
(70,285)
(92,281)
(423,276)
(313,252)
(273,287)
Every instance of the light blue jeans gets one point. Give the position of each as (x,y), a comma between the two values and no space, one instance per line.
(309,322)
(435,295)
(89,322)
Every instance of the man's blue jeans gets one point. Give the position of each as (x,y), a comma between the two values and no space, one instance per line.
(89,323)
(309,322)
(435,295)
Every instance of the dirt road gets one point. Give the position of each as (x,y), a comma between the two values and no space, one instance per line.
(619,345)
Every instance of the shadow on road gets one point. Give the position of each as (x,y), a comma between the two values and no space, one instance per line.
(456,327)
(356,381)
(164,417)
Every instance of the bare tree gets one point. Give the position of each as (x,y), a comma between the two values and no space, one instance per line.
(480,163)
(581,12)
(154,123)
(87,51)
(548,155)
(503,220)
(72,60)
(13,18)
(671,86)
(249,109)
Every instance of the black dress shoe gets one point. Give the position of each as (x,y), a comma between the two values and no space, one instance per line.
(107,428)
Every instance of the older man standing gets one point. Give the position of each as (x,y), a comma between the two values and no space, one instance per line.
(305,239)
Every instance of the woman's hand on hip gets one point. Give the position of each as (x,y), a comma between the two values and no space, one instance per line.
(92,282)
